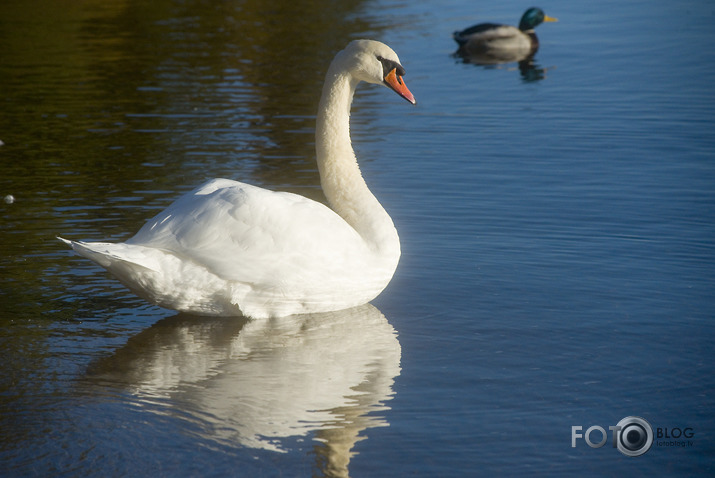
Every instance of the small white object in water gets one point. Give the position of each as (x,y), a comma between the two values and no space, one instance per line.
(9,199)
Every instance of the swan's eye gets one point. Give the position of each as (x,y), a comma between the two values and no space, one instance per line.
(389,65)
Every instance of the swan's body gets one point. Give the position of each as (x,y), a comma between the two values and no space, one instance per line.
(497,43)
(229,248)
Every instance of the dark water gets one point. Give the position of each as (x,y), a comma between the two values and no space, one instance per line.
(557,225)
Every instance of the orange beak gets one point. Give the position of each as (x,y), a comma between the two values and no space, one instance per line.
(398,85)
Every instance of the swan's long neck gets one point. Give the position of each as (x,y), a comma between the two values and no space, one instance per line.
(340,176)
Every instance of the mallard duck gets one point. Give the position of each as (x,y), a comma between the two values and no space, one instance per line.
(503,43)
(230,248)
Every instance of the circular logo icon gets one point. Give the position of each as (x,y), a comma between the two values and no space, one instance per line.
(634,436)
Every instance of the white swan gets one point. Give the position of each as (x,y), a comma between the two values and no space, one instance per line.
(229,248)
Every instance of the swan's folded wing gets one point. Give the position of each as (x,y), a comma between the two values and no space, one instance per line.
(247,234)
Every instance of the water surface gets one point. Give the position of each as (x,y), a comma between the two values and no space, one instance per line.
(558,235)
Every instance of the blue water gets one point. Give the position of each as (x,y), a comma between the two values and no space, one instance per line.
(558,235)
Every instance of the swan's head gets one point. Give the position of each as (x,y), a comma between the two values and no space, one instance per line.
(375,62)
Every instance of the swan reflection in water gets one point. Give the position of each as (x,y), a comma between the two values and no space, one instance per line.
(256,382)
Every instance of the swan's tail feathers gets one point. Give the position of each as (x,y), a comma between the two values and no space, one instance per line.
(163,278)
(108,254)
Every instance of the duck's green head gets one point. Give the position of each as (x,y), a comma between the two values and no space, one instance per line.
(533,17)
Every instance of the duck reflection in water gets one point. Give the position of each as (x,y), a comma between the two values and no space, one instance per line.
(492,44)
(255,383)
(528,68)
